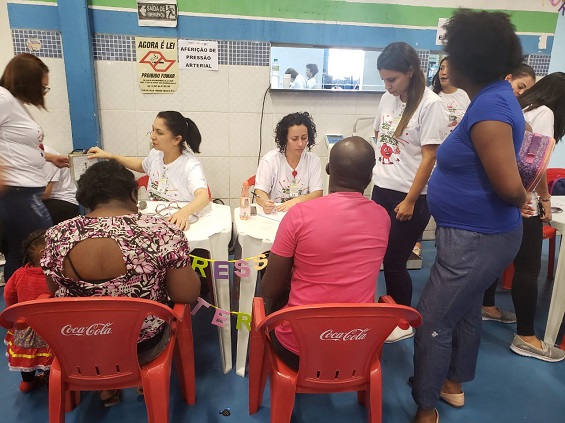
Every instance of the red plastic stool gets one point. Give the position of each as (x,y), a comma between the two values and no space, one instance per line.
(548,233)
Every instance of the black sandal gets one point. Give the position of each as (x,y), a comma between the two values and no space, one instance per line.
(112,399)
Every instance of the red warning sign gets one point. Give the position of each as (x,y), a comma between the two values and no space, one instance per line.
(157,61)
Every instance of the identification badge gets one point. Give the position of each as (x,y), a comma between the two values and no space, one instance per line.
(293,190)
(394,124)
(162,185)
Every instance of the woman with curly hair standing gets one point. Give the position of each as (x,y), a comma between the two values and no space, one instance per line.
(475,195)
(290,174)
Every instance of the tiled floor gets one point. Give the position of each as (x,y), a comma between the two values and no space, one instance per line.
(507,388)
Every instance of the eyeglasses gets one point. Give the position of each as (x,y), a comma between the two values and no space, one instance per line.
(46,89)
(166,210)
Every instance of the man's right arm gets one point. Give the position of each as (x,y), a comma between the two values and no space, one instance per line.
(277,276)
(281,258)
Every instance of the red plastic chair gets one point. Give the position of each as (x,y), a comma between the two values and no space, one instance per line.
(251,183)
(143,181)
(548,233)
(94,341)
(348,362)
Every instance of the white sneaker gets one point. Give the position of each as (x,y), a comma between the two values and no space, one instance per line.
(399,334)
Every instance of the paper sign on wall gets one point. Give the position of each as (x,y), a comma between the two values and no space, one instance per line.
(157,13)
(157,65)
(195,54)
(440,34)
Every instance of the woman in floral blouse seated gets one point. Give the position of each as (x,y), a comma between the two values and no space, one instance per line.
(115,251)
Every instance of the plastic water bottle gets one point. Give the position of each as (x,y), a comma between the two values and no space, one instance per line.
(275,78)
(244,202)
(534,203)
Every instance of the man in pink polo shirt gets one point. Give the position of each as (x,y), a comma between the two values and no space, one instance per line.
(330,249)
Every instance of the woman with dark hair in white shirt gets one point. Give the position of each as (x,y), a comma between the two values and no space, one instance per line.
(22,179)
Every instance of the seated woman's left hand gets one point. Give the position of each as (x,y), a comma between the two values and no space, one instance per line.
(404,211)
(180,219)
(284,207)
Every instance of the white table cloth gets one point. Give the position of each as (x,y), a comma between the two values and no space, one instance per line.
(557,304)
(254,237)
(212,232)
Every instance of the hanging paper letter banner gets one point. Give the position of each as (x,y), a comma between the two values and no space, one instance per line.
(157,65)
(220,316)
(198,54)
(157,13)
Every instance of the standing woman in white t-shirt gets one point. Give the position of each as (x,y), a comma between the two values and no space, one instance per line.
(290,174)
(544,110)
(175,174)
(456,100)
(60,193)
(22,179)
(411,122)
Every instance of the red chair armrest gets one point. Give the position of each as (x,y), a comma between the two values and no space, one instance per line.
(387,299)
(45,296)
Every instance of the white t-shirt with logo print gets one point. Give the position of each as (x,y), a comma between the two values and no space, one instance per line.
(457,104)
(399,159)
(176,181)
(274,176)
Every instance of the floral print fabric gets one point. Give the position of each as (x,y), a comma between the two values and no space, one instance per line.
(149,245)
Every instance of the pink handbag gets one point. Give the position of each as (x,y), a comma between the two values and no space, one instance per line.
(533,158)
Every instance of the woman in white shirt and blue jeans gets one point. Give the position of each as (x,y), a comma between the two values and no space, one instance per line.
(22,179)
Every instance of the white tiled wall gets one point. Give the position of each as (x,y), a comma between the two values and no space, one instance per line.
(225,104)
(55,121)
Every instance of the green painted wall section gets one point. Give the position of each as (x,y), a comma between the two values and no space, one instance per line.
(339,11)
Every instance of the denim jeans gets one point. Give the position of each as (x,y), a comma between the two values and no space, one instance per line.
(403,236)
(22,212)
(446,346)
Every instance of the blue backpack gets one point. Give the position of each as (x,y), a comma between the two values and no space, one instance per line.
(557,187)
(556,180)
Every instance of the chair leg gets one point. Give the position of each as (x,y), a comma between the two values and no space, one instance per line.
(283,391)
(57,396)
(374,397)
(156,393)
(72,399)
(183,357)
(362,398)
(551,258)
(258,369)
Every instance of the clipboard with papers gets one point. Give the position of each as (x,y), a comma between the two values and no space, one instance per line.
(79,162)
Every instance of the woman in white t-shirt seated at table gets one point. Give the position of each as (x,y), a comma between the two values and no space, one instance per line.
(290,174)
(175,174)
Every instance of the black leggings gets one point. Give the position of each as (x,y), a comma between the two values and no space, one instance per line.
(527,266)
(28,376)
(61,210)
(403,236)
